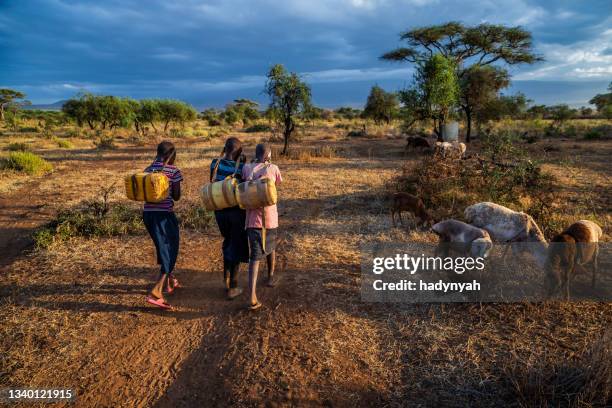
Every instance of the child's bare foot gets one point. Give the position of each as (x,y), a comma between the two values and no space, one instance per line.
(272,281)
(233,293)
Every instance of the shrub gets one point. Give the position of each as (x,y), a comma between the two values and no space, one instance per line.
(73,133)
(64,144)
(196,217)
(177,133)
(258,127)
(18,147)
(357,133)
(92,219)
(28,129)
(592,134)
(27,162)
(105,142)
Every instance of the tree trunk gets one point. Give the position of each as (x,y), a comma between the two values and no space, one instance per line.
(289,126)
(166,126)
(91,125)
(2,112)
(468,125)
(153,126)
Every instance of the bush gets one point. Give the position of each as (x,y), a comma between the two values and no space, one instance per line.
(592,134)
(73,133)
(357,133)
(259,127)
(92,219)
(177,133)
(27,162)
(64,144)
(106,142)
(28,129)
(196,217)
(18,147)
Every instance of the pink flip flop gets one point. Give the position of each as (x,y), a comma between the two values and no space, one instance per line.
(158,302)
(175,284)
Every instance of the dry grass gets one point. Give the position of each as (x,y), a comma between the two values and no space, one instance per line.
(75,315)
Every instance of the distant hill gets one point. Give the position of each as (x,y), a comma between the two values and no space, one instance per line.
(46,106)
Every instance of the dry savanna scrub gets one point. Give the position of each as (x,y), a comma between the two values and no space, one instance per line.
(73,312)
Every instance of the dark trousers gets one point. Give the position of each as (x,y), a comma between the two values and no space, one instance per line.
(164,231)
(235,243)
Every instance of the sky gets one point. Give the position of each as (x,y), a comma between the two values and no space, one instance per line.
(211,52)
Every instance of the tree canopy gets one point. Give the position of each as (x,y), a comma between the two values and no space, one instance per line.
(9,97)
(381,106)
(289,97)
(483,44)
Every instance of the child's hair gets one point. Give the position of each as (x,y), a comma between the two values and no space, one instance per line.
(166,152)
(262,152)
(233,148)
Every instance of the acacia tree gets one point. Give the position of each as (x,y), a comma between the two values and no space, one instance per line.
(289,97)
(601,101)
(381,106)
(480,45)
(479,85)
(9,97)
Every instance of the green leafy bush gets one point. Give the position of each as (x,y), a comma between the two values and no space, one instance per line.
(63,143)
(26,162)
(258,127)
(592,134)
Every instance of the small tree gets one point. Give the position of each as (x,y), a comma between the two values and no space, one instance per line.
(479,85)
(381,106)
(602,100)
(175,111)
(289,97)
(9,97)
(561,113)
(436,83)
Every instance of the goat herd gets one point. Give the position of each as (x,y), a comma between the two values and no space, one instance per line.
(573,249)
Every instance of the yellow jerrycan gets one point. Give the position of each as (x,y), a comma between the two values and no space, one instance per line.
(258,193)
(149,187)
(218,195)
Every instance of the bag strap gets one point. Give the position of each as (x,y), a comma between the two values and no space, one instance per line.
(252,176)
(214,173)
(236,168)
(263,230)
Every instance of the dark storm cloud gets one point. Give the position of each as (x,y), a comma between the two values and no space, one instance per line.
(208,52)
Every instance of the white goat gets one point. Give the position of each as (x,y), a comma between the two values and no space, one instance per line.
(462,237)
(506,225)
(448,149)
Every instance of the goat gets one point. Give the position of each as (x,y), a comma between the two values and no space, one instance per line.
(448,149)
(462,237)
(408,202)
(417,142)
(575,247)
(506,225)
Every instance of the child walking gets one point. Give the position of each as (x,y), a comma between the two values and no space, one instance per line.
(162,225)
(231,221)
(262,168)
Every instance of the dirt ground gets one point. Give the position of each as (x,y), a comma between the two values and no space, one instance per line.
(75,316)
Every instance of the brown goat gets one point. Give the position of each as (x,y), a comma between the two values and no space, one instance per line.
(575,247)
(417,142)
(408,202)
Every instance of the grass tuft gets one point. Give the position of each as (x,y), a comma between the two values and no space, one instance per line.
(26,162)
